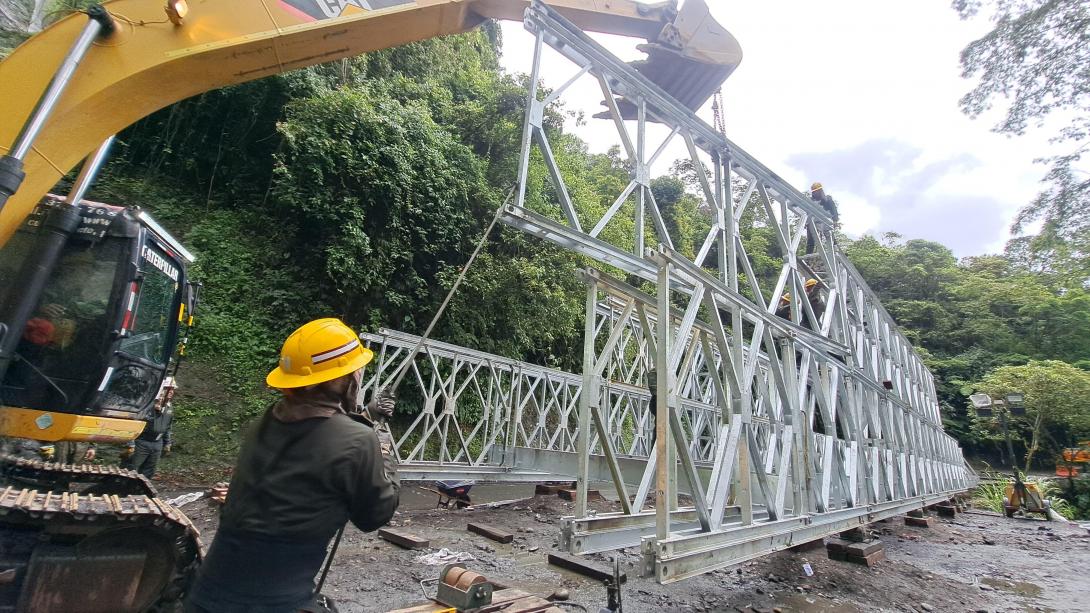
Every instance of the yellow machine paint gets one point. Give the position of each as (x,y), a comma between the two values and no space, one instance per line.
(52,427)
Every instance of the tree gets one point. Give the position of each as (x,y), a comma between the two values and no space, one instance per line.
(1057,398)
(1037,59)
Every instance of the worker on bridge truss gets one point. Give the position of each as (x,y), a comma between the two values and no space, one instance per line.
(818,195)
(310,464)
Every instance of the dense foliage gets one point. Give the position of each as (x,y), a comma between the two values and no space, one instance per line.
(973,317)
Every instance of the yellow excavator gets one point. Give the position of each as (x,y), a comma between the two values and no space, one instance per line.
(93,295)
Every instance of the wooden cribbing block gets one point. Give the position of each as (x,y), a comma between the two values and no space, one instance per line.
(491,532)
(946,510)
(917,513)
(404,539)
(544,489)
(868,560)
(918,522)
(837,549)
(864,549)
(583,567)
(572,494)
(837,545)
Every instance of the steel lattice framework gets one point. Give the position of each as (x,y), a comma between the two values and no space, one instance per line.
(778,416)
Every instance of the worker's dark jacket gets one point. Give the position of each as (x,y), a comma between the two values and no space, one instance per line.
(830,207)
(296,483)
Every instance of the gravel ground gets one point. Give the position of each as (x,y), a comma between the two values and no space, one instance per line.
(976,562)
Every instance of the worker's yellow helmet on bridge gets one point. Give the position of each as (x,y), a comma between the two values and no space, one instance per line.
(320,351)
(816,186)
(810,283)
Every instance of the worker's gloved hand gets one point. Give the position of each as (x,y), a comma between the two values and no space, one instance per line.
(166,450)
(382,404)
(127,452)
(89,455)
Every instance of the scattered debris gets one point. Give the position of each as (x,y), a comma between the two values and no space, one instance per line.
(185,499)
(444,556)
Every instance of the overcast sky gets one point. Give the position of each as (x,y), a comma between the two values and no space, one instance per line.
(862,96)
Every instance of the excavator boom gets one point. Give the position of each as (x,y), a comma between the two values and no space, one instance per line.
(149,61)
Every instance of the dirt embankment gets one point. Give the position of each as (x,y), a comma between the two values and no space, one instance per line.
(976,562)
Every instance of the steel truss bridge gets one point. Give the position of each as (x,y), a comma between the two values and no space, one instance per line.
(772,429)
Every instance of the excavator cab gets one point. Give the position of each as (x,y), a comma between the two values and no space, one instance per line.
(96,347)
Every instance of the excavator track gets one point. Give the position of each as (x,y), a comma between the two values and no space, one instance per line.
(54,475)
(83,552)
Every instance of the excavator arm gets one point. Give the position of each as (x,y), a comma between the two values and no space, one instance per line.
(150,61)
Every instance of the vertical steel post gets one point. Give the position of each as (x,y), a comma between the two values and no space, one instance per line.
(641,158)
(528,124)
(589,389)
(664,470)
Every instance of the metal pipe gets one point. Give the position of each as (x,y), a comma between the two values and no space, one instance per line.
(89,171)
(99,23)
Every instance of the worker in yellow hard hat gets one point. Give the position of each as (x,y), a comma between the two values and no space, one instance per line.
(818,195)
(310,464)
(813,295)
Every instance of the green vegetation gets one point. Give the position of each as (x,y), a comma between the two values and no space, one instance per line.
(991,324)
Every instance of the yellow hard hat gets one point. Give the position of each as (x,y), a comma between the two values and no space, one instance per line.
(816,186)
(810,283)
(320,351)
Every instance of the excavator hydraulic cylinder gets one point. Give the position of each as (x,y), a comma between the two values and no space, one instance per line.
(99,24)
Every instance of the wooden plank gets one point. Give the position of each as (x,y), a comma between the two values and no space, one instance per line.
(578,565)
(946,510)
(868,560)
(863,549)
(570,494)
(402,538)
(837,554)
(918,522)
(491,532)
(835,545)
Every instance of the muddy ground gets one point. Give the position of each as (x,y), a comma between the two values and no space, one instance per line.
(977,562)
